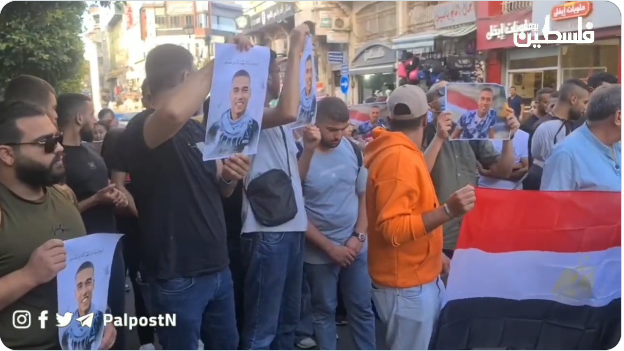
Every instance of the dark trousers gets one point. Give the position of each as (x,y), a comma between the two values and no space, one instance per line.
(273,280)
(238,278)
(130,228)
(204,309)
(117,293)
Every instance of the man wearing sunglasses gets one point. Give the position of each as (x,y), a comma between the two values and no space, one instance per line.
(453,165)
(36,218)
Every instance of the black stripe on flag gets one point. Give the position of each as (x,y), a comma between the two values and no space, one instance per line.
(504,324)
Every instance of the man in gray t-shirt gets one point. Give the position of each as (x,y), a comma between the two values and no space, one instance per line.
(334,182)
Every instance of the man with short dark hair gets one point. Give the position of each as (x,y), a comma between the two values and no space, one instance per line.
(453,165)
(591,158)
(37,216)
(541,100)
(236,129)
(87,176)
(601,78)
(185,257)
(515,102)
(479,123)
(552,101)
(334,184)
(570,107)
(35,91)
(366,129)
(107,116)
(405,218)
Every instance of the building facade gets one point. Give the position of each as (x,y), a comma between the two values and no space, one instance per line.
(530,69)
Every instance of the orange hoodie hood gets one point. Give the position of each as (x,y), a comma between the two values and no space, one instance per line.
(386,142)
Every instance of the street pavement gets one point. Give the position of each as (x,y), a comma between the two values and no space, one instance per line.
(345,342)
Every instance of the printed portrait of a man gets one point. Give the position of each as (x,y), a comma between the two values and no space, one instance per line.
(236,128)
(479,123)
(76,336)
(307,109)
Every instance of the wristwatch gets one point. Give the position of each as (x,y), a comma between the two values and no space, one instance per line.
(360,236)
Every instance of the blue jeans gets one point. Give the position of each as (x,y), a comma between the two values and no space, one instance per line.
(409,314)
(305,328)
(273,281)
(204,308)
(355,286)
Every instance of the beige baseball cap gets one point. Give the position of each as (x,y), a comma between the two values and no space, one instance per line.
(413,97)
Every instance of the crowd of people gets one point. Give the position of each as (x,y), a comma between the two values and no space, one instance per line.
(243,259)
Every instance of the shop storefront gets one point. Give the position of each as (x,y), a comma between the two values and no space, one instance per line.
(582,60)
(450,48)
(530,69)
(271,25)
(373,69)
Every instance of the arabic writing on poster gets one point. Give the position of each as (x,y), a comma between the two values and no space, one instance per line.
(86,254)
(525,40)
(241,62)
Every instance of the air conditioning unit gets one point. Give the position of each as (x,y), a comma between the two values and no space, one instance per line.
(340,24)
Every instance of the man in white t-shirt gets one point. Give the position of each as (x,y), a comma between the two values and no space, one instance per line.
(520,167)
(273,255)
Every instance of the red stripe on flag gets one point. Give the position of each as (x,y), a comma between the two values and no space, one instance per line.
(512,220)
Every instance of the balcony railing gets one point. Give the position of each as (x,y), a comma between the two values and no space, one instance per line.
(513,6)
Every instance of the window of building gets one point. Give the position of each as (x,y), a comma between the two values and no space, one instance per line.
(581,61)
(202,21)
(376,20)
(161,21)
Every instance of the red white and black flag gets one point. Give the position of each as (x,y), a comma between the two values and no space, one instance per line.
(535,270)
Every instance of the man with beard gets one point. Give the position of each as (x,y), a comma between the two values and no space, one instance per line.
(86,172)
(36,217)
(334,184)
(573,98)
(35,91)
(77,336)
(87,176)
(236,129)
(541,100)
(591,158)
(307,109)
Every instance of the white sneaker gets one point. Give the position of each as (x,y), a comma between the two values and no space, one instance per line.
(147,347)
(306,343)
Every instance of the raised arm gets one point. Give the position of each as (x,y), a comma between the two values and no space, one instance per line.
(177,107)
(287,107)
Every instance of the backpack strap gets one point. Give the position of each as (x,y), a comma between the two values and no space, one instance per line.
(358,154)
(66,192)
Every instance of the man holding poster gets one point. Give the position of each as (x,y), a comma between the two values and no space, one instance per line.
(36,217)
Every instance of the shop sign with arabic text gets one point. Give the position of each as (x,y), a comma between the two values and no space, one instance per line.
(454,13)
(571,9)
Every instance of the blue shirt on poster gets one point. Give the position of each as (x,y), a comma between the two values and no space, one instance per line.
(366,129)
(474,127)
(582,162)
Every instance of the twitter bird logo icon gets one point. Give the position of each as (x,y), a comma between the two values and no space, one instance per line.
(64,320)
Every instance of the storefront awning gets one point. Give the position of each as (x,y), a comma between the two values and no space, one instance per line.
(359,71)
(426,40)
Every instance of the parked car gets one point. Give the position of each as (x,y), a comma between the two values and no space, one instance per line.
(124,118)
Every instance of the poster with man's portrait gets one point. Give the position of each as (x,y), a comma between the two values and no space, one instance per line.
(236,101)
(307,82)
(479,110)
(82,289)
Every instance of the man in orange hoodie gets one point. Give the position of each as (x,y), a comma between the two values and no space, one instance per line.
(404,224)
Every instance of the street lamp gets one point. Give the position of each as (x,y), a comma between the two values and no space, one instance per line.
(189,30)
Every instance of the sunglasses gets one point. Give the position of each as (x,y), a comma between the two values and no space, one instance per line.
(48,142)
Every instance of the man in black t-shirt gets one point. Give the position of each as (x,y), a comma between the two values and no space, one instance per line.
(184,253)
(87,175)
(515,102)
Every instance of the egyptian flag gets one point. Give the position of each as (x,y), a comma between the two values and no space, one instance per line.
(535,270)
